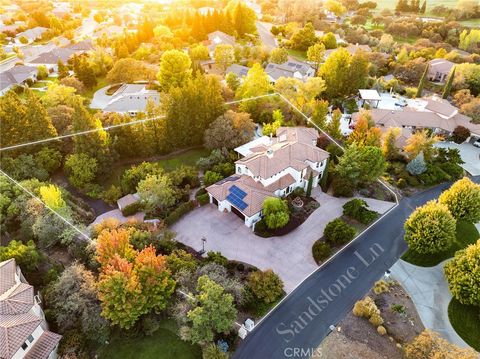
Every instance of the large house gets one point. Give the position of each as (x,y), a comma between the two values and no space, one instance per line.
(17,75)
(30,35)
(291,68)
(130,99)
(430,112)
(438,70)
(23,329)
(270,167)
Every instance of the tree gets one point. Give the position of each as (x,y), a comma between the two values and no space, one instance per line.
(417,166)
(335,7)
(389,143)
(365,132)
(420,141)
(58,94)
(338,232)
(315,54)
(132,176)
(422,82)
(25,255)
(329,41)
(462,274)
(276,213)
(303,38)
(463,200)
(156,191)
(430,228)
(361,164)
(129,70)
(52,197)
(230,130)
(42,72)
(448,86)
(213,312)
(73,300)
(308,193)
(224,56)
(428,345)
(199,52)
(114,242)
(175,69)
(423,9)
(279,55)
(232,81)
(82,169)
(266,286)
(319,115)
(73,82)
(84,71)
(256,83)
(242,17)
(333,127)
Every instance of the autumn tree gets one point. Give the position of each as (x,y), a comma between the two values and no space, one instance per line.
(463,200)
(229,130)
(129,70)
(265,285)
(213,313)
(224,56)
(175,69)
(279,55)
(420,141)
(315,54)
(256,83)
(303,38)
(365,132)
(389,143)
(463,273)
(430,228)
(428,345)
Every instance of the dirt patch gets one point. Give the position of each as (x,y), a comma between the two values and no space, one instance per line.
(358,338)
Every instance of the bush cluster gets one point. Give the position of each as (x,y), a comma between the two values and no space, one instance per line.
(338,232)
(131,209)
(357,209)
(321,251)
(368,309)
(203,199)
(179,212)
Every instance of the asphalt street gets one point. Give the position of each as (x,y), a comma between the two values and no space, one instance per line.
(298,325)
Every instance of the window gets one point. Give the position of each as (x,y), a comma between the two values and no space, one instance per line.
(30,338)
(24,346)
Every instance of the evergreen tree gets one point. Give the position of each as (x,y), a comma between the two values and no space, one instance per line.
(309,185)
(423,9)
(13,120)
(448,85)
(62,69)
(39,124)
(421,84)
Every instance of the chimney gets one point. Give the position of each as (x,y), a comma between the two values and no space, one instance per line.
(270,153)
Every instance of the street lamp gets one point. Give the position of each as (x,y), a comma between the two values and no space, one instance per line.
(203,245)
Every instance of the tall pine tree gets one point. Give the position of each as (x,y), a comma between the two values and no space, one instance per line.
(448,85)
(421,84)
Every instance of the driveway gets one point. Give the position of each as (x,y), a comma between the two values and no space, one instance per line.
(266,37)
(469,153)
(100,99)
(289,256)
(430,294)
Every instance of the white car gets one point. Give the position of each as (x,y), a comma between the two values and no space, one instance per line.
(477,143)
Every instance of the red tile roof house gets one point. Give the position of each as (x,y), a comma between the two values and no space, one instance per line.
(23,329)
(271,167)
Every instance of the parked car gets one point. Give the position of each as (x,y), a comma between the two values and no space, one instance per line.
(477,143)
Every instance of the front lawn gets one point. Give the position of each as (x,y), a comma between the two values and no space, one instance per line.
(466,234)
(297,54)
(163,344)
(465,320)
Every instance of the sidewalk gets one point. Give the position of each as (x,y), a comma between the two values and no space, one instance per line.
(429,292)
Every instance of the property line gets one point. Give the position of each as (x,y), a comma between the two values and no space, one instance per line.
(107,128)
(46,206)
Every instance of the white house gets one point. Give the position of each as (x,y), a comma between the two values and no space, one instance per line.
(439,69)
(291,68)
(23,329)
(271,167)
(131,99)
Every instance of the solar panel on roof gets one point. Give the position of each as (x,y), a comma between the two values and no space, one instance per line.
(237,192)
(236,201)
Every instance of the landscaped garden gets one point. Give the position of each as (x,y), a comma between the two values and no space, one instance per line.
(465,320)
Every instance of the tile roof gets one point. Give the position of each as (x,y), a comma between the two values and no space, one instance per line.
(8,269)
(17,300)
(14,330)
(43,346)
(440,65)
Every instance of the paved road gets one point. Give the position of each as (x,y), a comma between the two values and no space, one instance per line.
(266,37)
(302,320)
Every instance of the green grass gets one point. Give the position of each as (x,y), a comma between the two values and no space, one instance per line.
(163,344)
(471,23)
(389,4)
(299,55)
(101,82)
(466,234)
(188,158)
(465,319)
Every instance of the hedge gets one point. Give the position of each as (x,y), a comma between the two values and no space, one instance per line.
(203,199)
(179,212)
(321,251)
(357,209)
(338,232)
(131,209)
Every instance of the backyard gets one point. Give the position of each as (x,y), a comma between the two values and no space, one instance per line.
(164,343)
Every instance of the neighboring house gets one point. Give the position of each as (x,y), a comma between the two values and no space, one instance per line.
(321,34)
(31,34)
(17,75)
(439,69)
(51,58)
(219,38)
(239,70)
(431,112)
(23,329)
(131,99)
(291,68)
(271,167)
(352,49)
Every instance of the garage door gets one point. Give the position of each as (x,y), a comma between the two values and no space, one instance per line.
(215,202)
(238,213)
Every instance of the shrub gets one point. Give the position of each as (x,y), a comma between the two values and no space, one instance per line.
(368,309)
(266,286)
(463,200)
(401,183)
(338,232)
(357,209)
(211,351)
(434,175)
(454,170)
(321,251)
(211,178)
(112,194)
(203,199)
(417,166)
(216,257)
(342,187)
(460,134)
(381,330)
(131,209)
(179,212)
(430,228)
(381,286)
(398,308)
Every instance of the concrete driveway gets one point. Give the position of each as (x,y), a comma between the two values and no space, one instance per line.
(100,99)
(469,153)
(289,256)
(430,294)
